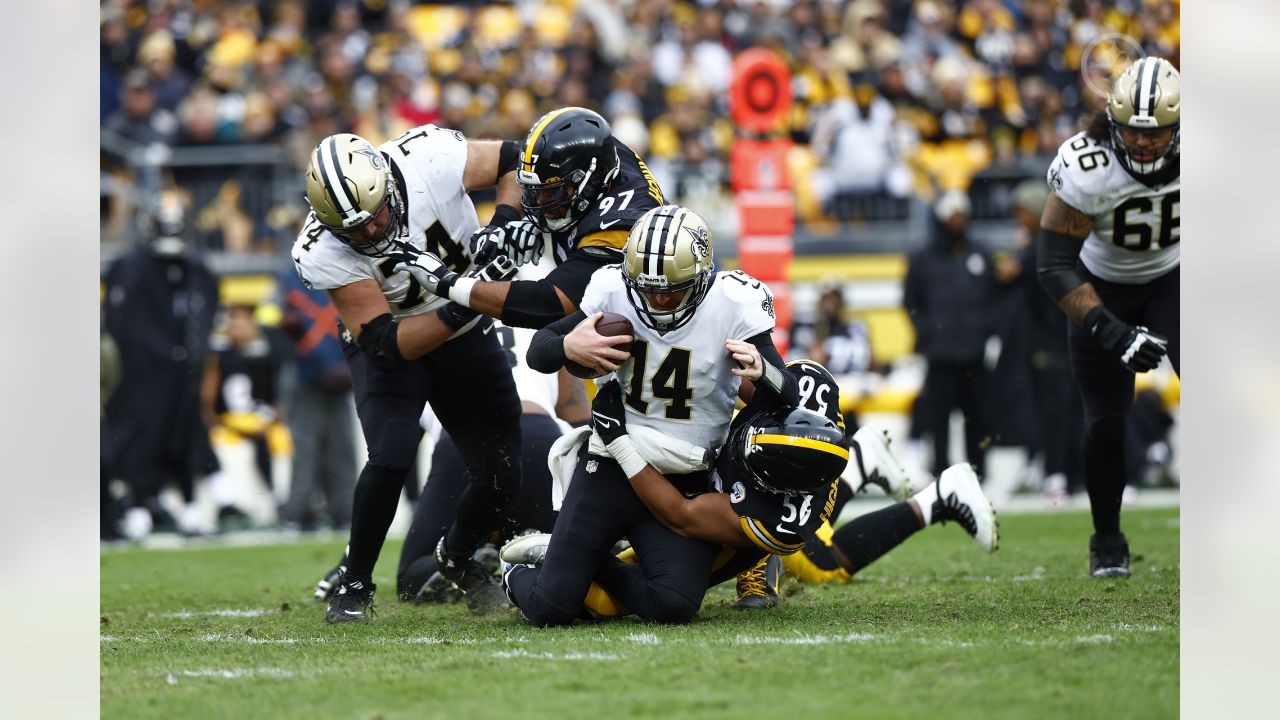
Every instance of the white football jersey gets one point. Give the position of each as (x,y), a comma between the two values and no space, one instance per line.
(679,383)
(427,163)
(1135,227)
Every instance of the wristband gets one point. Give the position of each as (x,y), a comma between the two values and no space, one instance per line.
(460,292)
(624,452)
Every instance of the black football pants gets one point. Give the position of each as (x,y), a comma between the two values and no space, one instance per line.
(599,509)
(1106,385)
(468,383)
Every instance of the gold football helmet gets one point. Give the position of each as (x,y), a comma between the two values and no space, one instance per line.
(668,251)
(1147,97)
(348,185)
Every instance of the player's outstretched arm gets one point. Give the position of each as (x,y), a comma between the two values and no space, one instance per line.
(575,338)
(388,343)
(707,517)
(760,362)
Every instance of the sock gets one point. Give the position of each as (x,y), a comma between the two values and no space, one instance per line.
(868,537)
(925,499)
(376,497)
(1105,473)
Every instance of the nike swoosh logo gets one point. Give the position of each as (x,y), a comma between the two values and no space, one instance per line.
(352,612)
(486,330)
(605,421)
(607,225)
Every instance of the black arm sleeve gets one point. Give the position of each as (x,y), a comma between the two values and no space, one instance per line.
(378,341)
(508,157)
(1056,255)
(546,349)
(534,303)
(780,387)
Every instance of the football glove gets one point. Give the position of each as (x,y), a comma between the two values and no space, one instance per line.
(498,269)
(1139,349)
(430,271)
(518,239)
(608,417)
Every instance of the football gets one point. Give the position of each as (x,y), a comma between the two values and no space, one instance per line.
(609,325)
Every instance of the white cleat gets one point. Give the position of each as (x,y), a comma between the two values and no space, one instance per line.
(960,498)
(526,550)
(877,463)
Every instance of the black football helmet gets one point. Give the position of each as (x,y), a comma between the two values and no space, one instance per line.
(789,450)
(569,160)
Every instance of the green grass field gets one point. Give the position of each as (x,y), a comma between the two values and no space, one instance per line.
(936,629)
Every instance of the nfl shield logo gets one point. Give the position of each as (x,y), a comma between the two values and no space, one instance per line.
(592,465)
(738,493)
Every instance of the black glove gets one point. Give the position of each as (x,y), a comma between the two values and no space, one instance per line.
(520,240)
(487,243)
(1139,349)
(608,417)
(498,268)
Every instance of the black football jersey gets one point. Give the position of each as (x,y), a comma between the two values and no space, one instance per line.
(606,225)
(247,376)
(818,392)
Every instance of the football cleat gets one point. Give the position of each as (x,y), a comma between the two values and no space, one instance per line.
(528,549)
(353,602)
(478,584)
(960,499)
(877,463)
(758,587)
(437,590)
(329,583)
(1109,556)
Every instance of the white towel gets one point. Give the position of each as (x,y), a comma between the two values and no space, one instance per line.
(668,455)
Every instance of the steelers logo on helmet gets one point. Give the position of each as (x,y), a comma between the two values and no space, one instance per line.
(1146,100)
(790,450)
(667,266)
(569,160)
(349,185)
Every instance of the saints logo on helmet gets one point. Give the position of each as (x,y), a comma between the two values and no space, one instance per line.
(667,266)
(790,450)
(349,184)
(1146,98)
(568,162)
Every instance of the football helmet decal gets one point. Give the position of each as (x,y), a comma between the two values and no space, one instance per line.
(568,162)
(349,183)
(790,450)
(1147,97)
(668,251)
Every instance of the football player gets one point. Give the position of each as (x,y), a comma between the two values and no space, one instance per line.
(776,484)
(373,210)
(1108,254)
(549,404)
(698,333)
(581,186)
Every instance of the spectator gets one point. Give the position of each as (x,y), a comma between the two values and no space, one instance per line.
(856,139)
(241,398)
(321,411)
(160,303)
(138,119)
(947,294)
(840,345)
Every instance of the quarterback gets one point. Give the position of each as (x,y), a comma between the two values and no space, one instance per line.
(698,333)
(1108,254)
(374,209)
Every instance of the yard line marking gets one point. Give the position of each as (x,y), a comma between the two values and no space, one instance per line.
(250,640)
(1126,627)
(804,639)
(1094,639)
(228,612)
(647,638)
(229,673)
(525,654)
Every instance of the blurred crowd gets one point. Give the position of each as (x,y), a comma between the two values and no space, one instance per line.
(892,97)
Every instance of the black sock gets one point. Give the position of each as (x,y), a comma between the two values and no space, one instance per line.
(868,537)
(1105,473)
(376,497)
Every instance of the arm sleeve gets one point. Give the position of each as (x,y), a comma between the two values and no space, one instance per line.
(534,303)
(778,386)
(1056,255)
(546,349)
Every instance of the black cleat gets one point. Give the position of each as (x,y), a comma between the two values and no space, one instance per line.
(437,590)
(758,587)
(479,586)
(353,602)
(329,583)
(1109,556)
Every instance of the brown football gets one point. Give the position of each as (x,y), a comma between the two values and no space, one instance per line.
(609,325)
